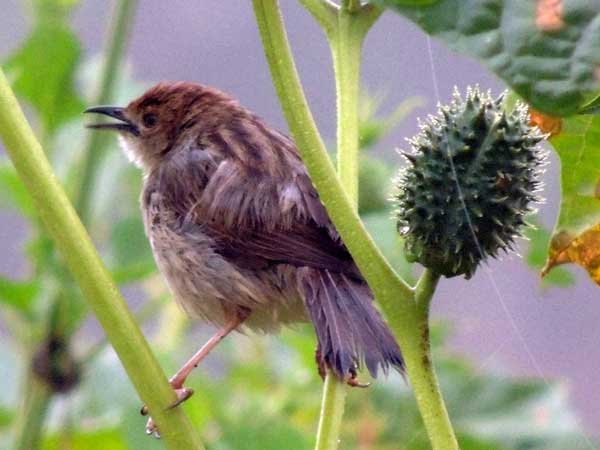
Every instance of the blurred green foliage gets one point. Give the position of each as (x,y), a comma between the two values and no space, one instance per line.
(54,50)
(263,393)
(254,393)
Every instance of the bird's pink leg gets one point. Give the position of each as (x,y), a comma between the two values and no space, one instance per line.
(179,378)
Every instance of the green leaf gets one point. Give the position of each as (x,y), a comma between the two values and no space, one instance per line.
(549,56)
(42,72)
(18,294)
(469,442)
(576,236)
(130,250)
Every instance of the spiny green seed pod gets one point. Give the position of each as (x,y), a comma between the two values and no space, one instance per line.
(472,177)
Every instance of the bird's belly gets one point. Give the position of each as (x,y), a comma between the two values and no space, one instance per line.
(209,287)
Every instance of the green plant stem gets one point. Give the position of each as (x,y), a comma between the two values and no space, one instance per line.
(346,50)
(350,5)
(416,349)
(324,12)
(346,35)
(29,423)
(406,309)
(346,40)
(82,259)
(96,143)
(27,432)
(332,410)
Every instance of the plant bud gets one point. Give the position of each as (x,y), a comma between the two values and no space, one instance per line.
(472,177)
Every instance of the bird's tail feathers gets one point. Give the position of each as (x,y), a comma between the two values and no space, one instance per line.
(350,331)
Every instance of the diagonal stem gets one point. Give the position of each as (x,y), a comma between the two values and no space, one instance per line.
(82,259)
(28,430)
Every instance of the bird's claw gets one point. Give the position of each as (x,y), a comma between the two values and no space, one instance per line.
(182,393)
(353,381)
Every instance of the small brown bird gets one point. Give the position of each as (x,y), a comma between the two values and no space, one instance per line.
(238,230)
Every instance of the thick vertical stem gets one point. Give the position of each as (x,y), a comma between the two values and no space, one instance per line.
(332,411)
(417,353)
(346,40)
(346,51)
(346,47)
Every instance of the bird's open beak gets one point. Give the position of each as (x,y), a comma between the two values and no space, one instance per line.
(115,112)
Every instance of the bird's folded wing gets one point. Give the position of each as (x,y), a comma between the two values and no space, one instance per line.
(257,219)
(301,246)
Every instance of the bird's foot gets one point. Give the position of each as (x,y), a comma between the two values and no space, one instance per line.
(352,381)
(182,393)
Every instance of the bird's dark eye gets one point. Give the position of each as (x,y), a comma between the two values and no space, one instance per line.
(149,120)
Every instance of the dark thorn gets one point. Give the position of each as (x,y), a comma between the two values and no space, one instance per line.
(188,392)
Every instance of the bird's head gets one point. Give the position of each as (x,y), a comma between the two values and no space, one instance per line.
(166,118)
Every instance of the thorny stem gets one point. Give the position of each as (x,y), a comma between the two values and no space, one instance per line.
(406,309)
(82,259)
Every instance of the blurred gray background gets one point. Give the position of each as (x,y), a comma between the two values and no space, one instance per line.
(502,318)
